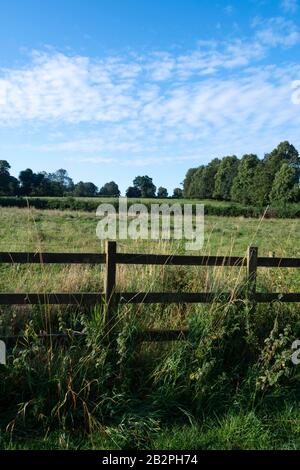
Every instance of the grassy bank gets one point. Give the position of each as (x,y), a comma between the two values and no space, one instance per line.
(235,431)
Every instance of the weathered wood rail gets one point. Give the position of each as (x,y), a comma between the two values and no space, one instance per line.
(110,298)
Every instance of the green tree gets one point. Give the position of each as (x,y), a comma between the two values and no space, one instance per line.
(162,192)
(209,177)
(87,189)
(177,193)
(13,186)
(8,184)
(286,185)
(145,185)
(34,184)
(187,183)
(244,183)
(202,183)
(61,182)
(283,153)
(225,175)
(133,191)
(110,189)
(197,183)
(260,194)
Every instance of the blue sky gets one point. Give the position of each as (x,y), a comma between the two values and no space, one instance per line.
(110,89)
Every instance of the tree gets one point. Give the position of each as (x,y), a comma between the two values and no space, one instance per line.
(260,195)
(27,181)
(225,175)
(244,183)
(177,193)
(37,184)
(145,185)
(13,186)
(202,181)
(196,183)
(286,185)
(83,189)
(4,173)
(209,177)
(8,184)
(110,189)
(133,191)
(63,183)
(187,183)
(283,153)
(162,192)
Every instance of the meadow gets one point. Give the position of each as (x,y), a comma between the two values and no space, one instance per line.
(231,385)
(212,206)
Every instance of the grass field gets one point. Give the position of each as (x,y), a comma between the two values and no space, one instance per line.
(230,386)
(211,207)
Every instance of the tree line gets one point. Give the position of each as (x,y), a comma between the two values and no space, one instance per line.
(60,184)
(49,184)
(248,180)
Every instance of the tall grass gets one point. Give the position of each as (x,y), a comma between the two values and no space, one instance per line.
(219,387)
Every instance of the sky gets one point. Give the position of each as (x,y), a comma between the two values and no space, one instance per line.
(112,89)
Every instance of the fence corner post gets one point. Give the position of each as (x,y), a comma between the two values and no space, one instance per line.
(252,254)
(110,285)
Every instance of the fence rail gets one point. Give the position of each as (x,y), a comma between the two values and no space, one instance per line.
(128,258)
(110,298)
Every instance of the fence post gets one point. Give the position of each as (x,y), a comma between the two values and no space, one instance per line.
(110,285)
(252,252)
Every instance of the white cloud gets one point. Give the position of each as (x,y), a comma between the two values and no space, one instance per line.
(289,6)
(210,116)
(214,100)
(59,88)
(142,161)
(229,9)
(71,89)
(277,32)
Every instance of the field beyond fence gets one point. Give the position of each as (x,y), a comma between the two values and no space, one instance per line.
(110,298)
(211,207)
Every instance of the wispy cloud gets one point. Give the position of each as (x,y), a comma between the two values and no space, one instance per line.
(215,99)
(289,6)
(57,87)
(277,32)
(208,117)
(229,9)
(72,89)
(142,161)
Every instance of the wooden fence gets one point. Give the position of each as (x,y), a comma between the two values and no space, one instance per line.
(110,298)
